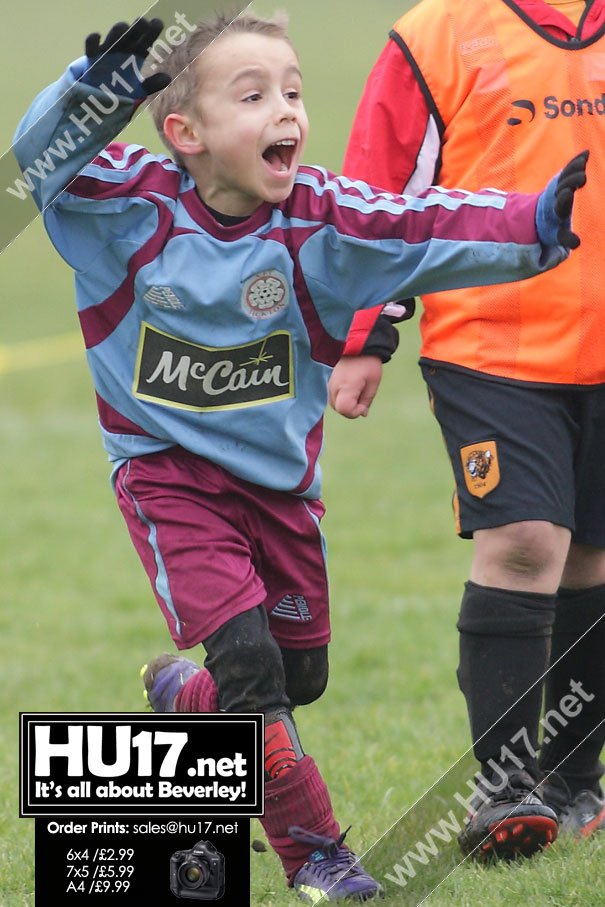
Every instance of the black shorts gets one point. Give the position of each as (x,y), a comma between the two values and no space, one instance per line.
(521,452)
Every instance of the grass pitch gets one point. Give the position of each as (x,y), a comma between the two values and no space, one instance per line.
(77,616)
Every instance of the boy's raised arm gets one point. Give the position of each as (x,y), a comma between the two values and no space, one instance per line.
(75,117)
(356,378)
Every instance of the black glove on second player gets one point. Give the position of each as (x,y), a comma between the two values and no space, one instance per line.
(122,42)
(553,214)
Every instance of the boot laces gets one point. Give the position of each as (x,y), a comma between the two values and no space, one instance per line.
(328,854)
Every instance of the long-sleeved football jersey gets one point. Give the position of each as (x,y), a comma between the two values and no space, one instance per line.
(221,339)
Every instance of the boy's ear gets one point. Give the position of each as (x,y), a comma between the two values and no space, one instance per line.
(182,134)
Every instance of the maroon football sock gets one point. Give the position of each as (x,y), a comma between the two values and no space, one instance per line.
(199,694)
(297,797)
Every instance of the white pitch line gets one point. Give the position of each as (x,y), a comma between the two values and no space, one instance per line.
(29,354)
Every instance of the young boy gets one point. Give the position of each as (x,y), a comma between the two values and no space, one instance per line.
(215,293)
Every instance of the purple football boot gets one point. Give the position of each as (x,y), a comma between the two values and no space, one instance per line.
(163,678)
(332,871)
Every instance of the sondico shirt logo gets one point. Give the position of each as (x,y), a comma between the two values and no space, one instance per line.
(175,372)
(525,110)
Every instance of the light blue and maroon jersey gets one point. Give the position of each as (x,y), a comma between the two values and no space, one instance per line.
(221,339)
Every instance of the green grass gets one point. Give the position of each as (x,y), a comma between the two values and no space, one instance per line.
(77,616)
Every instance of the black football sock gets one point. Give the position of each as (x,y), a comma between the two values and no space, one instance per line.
(574,720)
(504,646)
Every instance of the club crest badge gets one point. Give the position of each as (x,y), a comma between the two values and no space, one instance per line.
(265,294)
(481,467)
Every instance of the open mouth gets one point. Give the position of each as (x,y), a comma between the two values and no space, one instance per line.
(279,156)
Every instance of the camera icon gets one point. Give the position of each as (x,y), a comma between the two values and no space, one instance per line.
(199,873)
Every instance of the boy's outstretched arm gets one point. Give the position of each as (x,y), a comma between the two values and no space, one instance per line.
(356,379)
(75,117)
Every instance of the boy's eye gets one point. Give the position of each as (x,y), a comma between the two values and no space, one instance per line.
(255,96)
(293,95)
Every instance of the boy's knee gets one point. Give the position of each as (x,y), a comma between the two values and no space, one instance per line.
(246,665)
(306,673)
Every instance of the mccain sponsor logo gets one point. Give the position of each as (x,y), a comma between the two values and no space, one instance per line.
(177,373)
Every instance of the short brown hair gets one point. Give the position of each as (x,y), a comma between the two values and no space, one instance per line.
(185,77)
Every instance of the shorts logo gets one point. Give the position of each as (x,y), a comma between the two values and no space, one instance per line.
(293,607)
(265,294)
(184,375)
(481,467)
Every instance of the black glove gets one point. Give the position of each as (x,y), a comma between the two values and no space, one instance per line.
(553,213)
(124,41)
(572,177)
(383,339)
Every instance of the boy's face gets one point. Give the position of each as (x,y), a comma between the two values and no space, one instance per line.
(250,120)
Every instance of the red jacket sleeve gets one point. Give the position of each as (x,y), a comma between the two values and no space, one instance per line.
(386,138)
(389,126)
(362,325)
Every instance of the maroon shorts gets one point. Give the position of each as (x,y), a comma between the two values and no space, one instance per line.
(214,546)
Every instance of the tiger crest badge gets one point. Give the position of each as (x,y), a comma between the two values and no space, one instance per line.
(481,467)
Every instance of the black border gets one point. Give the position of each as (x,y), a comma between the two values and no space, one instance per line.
(253,723)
